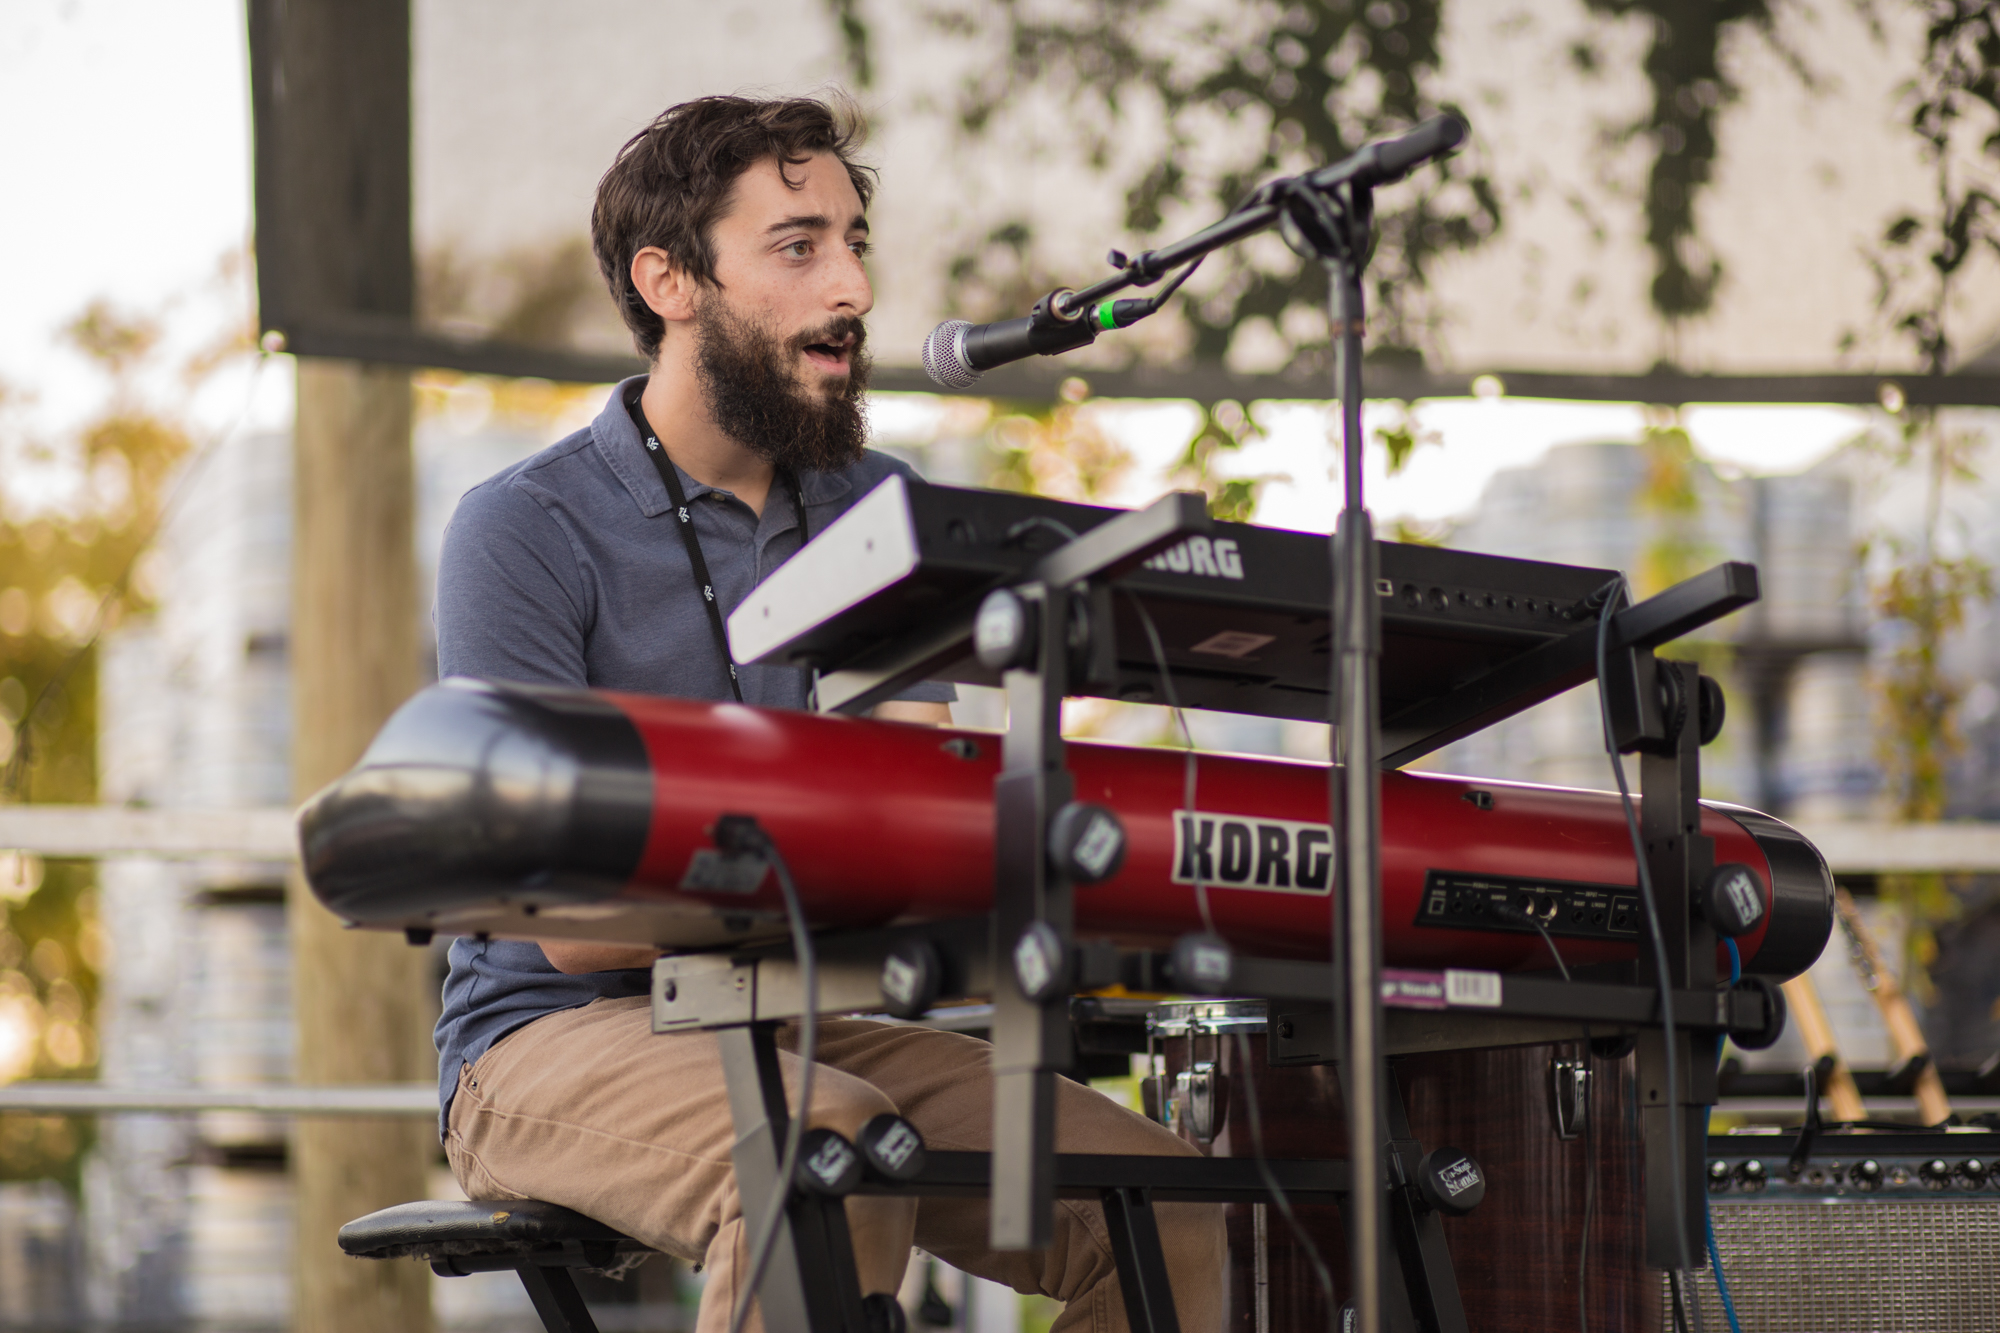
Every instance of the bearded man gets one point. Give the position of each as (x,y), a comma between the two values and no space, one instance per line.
(732,233)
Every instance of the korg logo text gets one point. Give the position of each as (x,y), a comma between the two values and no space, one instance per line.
(1238,852)
(1218,559)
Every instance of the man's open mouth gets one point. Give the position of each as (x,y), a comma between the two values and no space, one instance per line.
(833,356)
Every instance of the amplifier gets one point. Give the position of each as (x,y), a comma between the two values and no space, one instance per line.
(1871,1232)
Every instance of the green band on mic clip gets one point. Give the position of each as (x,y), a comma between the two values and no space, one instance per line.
(1105,318)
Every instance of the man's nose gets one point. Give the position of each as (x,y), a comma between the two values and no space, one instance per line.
(849,291)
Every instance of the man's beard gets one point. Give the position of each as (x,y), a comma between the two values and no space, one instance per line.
(751,381)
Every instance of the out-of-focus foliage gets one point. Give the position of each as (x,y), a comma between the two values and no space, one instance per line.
(538,296)
(1670,500)
(1690,89)
(1224,428)
(1234,95)
(1924,587)
(69,569)
(473,400)
(1059,449)
(1399,438)
(1953,107)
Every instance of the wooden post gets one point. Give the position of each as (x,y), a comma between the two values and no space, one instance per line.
(361,998)
(330,100)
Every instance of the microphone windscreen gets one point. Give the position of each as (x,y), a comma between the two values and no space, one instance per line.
(944,356)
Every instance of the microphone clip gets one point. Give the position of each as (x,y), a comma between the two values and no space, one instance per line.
(1057,324)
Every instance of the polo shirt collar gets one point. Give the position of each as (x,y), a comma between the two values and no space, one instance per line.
(618,444)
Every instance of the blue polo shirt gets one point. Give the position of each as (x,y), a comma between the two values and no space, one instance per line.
(565,569)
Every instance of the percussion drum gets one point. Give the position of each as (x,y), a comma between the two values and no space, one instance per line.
(1516,1256)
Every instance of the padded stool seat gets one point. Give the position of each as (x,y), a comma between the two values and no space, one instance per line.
(537,1240)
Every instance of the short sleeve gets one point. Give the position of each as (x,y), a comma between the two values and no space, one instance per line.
(512,602)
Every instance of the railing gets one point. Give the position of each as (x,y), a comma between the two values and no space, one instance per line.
(101,832)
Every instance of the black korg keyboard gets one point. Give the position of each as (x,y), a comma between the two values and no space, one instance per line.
(1242,613)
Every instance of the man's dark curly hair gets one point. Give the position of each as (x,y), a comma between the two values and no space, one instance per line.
(671,182)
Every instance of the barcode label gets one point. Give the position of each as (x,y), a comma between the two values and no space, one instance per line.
(1480,989)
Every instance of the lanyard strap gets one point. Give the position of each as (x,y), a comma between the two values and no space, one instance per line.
(675,493)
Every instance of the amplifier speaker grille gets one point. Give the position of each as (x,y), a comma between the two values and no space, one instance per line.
(1855,1266)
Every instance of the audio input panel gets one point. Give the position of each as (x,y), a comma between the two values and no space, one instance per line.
(1456,901)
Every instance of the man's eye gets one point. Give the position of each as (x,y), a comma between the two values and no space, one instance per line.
(860,248)
(798,249)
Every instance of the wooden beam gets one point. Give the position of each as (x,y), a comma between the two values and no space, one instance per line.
(1871,848)
(394,341)
(84,1097)
(98,831)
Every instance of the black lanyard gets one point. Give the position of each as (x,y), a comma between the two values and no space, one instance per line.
(672,478)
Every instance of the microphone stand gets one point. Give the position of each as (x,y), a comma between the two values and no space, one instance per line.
(1327,215)
(1334,225)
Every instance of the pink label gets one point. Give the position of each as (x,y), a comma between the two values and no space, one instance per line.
(1405,989)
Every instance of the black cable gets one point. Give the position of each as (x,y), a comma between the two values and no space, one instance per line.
(788,1160)
(1611,593)
(1509,912)
(1180,717)
(1159,298)
(1278,1196)
(1680,1314)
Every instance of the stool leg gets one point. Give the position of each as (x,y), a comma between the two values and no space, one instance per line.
(1142,1264)
(556,1299)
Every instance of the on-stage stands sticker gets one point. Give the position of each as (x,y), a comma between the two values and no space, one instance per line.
(1407,988)
(1238,852)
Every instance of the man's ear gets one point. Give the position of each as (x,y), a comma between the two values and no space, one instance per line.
(669,290)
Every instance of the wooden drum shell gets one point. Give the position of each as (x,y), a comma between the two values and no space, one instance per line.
(1516,1255)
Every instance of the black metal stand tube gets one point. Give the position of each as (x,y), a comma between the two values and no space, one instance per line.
(1030,1035)
(1678,856)
(809,1282)
(1357,812)
(1142,1263)
(557,1302)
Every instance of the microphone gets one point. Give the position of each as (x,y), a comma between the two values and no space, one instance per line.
(957,353)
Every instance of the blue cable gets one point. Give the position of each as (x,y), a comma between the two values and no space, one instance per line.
(1708,1211)
(1721,1282)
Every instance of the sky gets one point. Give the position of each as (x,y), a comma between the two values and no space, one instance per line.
(128,154)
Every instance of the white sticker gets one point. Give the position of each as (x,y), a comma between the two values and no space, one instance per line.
(896,1145)
(1100,844)
(1478,989)
(899,980)
(1030,968)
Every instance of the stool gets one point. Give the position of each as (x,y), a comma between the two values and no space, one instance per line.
(539,1241)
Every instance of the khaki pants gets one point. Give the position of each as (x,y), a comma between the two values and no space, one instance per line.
(589,1109)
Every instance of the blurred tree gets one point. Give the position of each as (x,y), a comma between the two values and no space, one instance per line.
(1233,97)
(1923,586)
(1059,449)
(69,569)
(548,295)
(1690,88)
(1223,429)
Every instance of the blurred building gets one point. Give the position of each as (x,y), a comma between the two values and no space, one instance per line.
(186,1220)
(1794,662)
(1801,739)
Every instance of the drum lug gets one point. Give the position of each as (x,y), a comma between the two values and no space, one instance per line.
(1569,1096)
(1201,1096)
